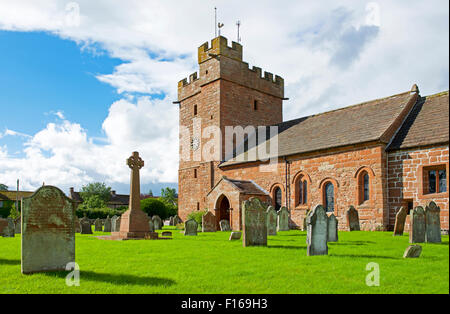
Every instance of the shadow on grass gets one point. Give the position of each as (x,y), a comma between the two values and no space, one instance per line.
(289,247)
(118,279)
(364,256)
(9,261)
(353,243)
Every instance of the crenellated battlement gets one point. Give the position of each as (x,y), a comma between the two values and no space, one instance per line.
(219,47)
(192,78)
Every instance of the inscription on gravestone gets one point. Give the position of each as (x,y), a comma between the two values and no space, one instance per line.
(254,226)
(48,233)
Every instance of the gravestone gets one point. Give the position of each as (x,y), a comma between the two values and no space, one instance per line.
(190,227)
(171,221)
(317,235)
(209,222)
(418,226)
(114,224)
(177,220)
(353,219)
(48,232)
(86,226)
(283,219)
(3,226)
(18,225)
(413,251)
(254,223)
(224,225)
(271,221)
(433,223)
(400,220)
(235,235)
(157,222)
(166,234)
(151,225)
(98,225)
(77,224)
(11,230)
(332,229)
(107,226)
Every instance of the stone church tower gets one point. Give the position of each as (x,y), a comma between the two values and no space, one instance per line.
(225,92)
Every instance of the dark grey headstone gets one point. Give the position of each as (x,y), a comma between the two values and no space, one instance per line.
(353,219)
(98,225)
(235,235)
(177,220)
(254,223)
(190,227)
(433,223)
(272,218)
(86,227)
(332,229)
(317,232)
(418,226)
(11,230)
(48,232)
(108,225)
(283,219)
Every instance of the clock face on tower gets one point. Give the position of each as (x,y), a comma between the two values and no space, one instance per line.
(195,143)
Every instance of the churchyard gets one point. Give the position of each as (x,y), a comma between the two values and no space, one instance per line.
(210,263)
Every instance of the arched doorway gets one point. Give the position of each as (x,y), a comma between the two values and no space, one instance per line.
(223,210)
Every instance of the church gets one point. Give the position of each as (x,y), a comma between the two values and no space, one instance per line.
(377,156)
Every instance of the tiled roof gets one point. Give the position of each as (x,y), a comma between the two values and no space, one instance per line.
(366,122)
(246,187)
(11,195)
(426,125)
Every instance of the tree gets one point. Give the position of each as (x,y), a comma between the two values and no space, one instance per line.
(14,213)
(92,201)
(152,206)
(96,188)
(3,187)
(150,193)
(169,196)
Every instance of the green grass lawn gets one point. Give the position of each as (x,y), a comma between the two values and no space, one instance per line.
(209,263)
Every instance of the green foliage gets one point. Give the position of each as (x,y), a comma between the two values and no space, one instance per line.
(92,201)
(14,213)
(169,196)
(6,209)
(3,187)
(197,216)
(153,206)
(97,188)
(102,213)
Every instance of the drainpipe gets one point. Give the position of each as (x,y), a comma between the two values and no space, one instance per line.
(287,185)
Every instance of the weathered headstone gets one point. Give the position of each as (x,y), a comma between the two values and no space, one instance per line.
(115,223)
(157,222)
(235,235)
(271,221)
(224,225)
(107,226)
(48,233)
(86,226)
(209,222)
(418,226)
(18,225)
(353,219)
(177,220)
(254,223)
(3,226)
(433,223)
(11,230)
(171,221)
(332,229)
(190,227)
(98,225)
(400,220)
(317,235)
(77,224)
(283,219)
(151,225)
(413,251)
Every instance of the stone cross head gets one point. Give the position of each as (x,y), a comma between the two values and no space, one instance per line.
(135,162)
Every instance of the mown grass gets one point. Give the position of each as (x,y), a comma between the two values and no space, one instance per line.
(209,263)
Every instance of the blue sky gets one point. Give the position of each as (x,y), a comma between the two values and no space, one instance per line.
(84,83)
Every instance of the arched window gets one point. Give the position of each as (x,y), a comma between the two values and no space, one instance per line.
(366,195)
(363,179)
(329,197)
(277,198)
(302,191)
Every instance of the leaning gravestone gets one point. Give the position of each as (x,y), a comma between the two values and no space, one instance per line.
(353,219)
(107,226)
(235,235)
(190,227)
(98,225)
(418,227)
(317,235)
(271,221)
(283,219)
(209,222)
(400,220)
(332,229)
(48,233)
(413,251)
(86,227)
(177,220)
(433,223)
(224,225)
(254,223)
(157,222)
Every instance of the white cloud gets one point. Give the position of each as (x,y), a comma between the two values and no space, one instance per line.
(331,54)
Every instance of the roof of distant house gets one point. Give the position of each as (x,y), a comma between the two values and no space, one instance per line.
(11,195)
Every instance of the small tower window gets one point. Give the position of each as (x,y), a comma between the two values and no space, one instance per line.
(255,105)
(195,173)
(198,206)
(195,110)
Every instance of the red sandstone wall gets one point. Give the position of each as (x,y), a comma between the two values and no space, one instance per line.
(405,180)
